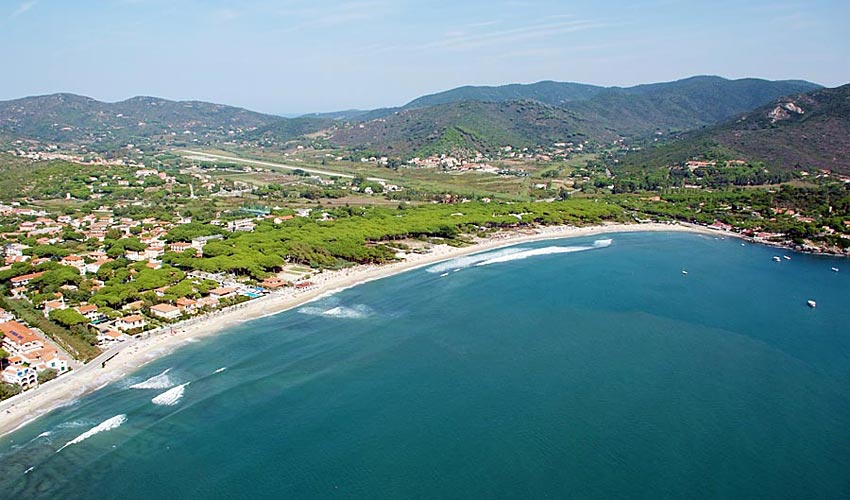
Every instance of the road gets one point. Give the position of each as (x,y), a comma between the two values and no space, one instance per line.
(236,159)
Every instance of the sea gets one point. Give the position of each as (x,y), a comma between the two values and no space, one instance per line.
(633,365)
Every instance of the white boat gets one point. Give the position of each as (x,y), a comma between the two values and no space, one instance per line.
(786,257)
(776,258)
(684,272)
(812,303)
(835,269)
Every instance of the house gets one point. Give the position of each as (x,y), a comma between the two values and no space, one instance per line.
(273,283)
(94,267)
(246,225)
(89,311)
(6,316)
(166,311)
(223,293)
(187,305)
(18,339)
(25,279)
(179,246)
(74,261)
(23,376)
(133,306)
(132,322)
(53,305)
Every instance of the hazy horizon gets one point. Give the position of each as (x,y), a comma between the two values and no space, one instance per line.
(296,57)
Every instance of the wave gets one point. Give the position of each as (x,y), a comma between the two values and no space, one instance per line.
(220,369)
(43,435)
(170,397)
(106,425)
(470,260)
(353,312)
(161,381)
(543,251)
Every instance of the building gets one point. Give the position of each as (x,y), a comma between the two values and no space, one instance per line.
(132,322)
(18,339)
(23,376)
(223,293)
(187,305)
(166,311)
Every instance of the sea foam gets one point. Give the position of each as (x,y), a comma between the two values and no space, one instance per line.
(524,254)
(106,425)
(170,397)
(470,260)
(161,381)
(353,312)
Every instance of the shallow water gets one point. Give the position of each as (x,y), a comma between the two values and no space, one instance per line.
(549,373)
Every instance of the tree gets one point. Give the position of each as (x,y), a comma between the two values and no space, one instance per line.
(8,390)
(47,375)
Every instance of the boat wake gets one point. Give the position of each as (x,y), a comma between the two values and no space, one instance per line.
(161,381)
(170,397)
(354,312)
(106,425)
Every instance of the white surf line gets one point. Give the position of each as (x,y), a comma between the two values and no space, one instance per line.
(106,425)
(236,159)
(170,397)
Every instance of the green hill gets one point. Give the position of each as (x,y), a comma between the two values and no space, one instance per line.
(803,130)
(73,118)
(467,126)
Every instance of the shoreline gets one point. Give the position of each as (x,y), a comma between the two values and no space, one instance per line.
(131,355)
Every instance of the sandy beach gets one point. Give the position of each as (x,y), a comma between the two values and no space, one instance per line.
(127,357)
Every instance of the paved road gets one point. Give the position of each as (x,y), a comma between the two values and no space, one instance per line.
(236,159)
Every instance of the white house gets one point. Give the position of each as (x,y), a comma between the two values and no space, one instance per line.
(165,311)
(130,322)
(24,376)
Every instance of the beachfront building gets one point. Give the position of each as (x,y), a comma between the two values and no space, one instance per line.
(166,311)
(18,339)
(223,293)
(131,322)
(27,348)
(23,376)
(187,305)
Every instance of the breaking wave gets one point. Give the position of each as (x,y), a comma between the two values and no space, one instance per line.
(170,397)
(354,312)
(543,251)
(161,381)
(106,425)
(470,260)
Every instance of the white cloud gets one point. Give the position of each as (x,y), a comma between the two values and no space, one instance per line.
(24,7)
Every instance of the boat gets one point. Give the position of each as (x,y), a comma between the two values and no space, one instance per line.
(812,303)
(684,272)
(776,258)
(835,269)
(786,257)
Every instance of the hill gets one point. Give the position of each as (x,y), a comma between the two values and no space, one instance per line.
(803,130)
(73,118)
(547,92)
(682,105)
(467,126)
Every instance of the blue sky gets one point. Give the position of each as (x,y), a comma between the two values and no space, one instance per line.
(296,56)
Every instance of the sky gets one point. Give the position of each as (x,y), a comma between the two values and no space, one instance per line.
(299,56)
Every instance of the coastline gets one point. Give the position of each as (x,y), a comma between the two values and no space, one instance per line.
(131,355)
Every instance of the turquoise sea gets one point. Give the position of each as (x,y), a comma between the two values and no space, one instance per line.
(576,370)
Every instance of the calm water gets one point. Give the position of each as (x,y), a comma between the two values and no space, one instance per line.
(604,373)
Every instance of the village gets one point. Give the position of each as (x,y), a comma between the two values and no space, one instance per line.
(72,291)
